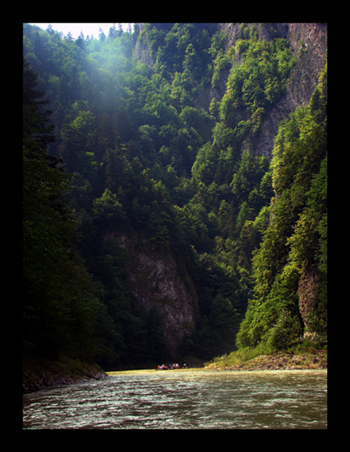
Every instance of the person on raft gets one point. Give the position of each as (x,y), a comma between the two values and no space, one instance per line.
(172,366)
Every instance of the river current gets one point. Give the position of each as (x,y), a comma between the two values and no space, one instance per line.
(184,399)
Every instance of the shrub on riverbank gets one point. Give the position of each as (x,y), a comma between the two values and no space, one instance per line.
(238,357)
(303,356)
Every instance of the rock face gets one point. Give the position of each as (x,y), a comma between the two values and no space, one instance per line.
(142,53)
(156,280)
(308,286)
(309,45)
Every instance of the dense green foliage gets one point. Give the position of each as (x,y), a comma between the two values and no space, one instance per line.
(59,309)
(295,241)
(140,156)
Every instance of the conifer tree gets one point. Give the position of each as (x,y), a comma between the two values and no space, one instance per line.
(57,300)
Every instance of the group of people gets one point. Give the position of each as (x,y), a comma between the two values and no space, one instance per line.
(171,366)
(307,335)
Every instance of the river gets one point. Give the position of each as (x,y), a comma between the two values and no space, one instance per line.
(184,399)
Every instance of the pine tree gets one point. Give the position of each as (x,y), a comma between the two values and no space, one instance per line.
(57,301)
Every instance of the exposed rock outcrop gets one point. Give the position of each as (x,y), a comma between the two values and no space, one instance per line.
(308,286)
(142,53)
(156,280)
(309,45)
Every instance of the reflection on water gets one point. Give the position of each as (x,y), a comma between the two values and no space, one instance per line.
(184,399)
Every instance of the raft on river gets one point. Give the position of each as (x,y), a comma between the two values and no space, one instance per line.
(172,366)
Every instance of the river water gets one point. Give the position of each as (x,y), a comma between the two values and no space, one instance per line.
(184,399)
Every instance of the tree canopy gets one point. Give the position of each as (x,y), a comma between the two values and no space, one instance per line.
(128,142)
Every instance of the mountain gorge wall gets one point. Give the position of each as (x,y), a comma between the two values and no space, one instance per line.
(308,42)
(169,208)
(154,280)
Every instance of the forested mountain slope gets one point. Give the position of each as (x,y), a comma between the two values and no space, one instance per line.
(196,156)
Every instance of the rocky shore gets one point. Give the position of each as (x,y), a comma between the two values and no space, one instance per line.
(281,361)
(40,373)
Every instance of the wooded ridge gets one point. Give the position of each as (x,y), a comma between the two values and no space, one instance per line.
(174,192)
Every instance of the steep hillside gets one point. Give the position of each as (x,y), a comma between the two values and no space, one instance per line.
(309,45)
(196,157)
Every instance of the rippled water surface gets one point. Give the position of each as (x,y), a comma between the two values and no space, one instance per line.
(184,399)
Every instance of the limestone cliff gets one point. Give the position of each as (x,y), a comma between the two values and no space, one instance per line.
(156,279)
(142,52)
(307,290)
(309,45)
